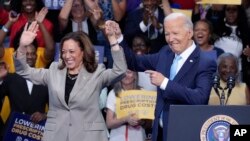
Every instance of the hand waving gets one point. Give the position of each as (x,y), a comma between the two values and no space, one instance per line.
(41,15)
(96,12)
(29,33)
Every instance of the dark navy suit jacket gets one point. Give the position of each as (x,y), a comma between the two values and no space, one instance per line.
(92,32)
(191,85)
(132,28)
(15,87)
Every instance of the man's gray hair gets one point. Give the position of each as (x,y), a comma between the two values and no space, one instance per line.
(187,21)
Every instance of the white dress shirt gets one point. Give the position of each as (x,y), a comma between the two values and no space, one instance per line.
(184,56)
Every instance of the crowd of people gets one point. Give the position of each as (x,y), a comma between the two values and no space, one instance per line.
(146,46)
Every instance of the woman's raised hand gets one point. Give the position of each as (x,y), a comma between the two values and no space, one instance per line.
(29,33)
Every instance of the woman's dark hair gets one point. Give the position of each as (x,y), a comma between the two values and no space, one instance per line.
(118,86)
(16,5)
(144,38)
(242,30)
(215,17)
(246,3)
(84,8)
(17,37)
(210,28)
(86,46)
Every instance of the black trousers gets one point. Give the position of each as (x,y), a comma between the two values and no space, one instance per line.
(160,134)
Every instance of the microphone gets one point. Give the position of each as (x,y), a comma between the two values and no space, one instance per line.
(216,85)
(216,82)
(230,83)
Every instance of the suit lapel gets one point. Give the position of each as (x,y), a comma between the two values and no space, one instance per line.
(62,83)
(26,95)
(190,62)
(24,83)
(80,83)
(167,66)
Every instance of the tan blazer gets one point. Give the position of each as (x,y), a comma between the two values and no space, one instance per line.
(81,119)
(237,96)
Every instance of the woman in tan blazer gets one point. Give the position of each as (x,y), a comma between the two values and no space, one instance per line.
(74,85)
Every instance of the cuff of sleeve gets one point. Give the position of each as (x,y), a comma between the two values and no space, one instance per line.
(164,84)
(143,27)
(18,60)
(161,29)
(5,29)
(120,39)
(248,59)
(112,45)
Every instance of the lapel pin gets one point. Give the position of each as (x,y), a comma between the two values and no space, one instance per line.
(191,61)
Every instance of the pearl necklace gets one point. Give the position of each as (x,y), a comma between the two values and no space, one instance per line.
(72,77)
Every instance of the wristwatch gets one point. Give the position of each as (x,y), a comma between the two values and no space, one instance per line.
(5,29)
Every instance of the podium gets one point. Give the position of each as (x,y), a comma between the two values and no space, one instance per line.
(204,122)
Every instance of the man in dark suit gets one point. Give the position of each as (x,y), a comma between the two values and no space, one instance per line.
(147,21)
(181,71)
(24,96)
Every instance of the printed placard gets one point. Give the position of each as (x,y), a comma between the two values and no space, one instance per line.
(232,2)
(99,53)
(21,128)
(140,102)
(188,13)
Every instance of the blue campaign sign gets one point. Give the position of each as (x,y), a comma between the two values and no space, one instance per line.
(21,128)
(54,4)
(99,53)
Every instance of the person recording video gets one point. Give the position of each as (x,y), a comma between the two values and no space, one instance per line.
(227,83)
